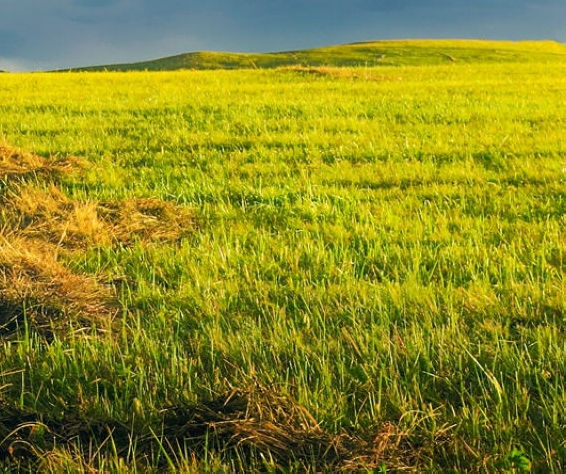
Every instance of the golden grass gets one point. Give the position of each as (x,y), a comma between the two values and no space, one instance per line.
(148,220)
(33,283)
(51,216)
(16,163)
(38,223)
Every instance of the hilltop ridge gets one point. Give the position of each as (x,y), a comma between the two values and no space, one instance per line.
(370,53)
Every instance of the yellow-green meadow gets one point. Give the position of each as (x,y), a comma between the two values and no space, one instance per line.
(295,269)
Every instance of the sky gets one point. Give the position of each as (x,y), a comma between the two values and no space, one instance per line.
(58,34)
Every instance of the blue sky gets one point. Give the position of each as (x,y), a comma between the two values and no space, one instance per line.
(50,34)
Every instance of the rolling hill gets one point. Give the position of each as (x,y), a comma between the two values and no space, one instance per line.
(375,53)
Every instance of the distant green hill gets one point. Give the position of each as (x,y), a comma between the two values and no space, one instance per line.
(376,53)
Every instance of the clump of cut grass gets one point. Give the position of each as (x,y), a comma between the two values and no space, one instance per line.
(16,163)
(259,421)
(52,216)
(41,222)
(336,72)
(262,422)
(148,219)
(36,287)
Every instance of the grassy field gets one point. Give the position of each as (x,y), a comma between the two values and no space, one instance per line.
(297,269)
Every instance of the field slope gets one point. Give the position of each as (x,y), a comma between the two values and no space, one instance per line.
(299,269)
(377,53)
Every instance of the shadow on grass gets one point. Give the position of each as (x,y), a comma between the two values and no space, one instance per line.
(251,426)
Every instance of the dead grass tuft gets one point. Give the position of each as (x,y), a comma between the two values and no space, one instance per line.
(258,421)
(34,285)
(149,220)
(259,424)
(337,72)
(15,163)
(51,216)
(38,222)
(263,423)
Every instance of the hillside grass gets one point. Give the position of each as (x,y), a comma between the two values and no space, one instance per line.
(373,277)
(372,53)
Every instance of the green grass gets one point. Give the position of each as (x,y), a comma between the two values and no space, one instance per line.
(375,53)
(383,246)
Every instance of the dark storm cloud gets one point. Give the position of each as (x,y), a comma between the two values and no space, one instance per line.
(44,34)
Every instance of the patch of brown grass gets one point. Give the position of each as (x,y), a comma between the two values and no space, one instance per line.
(16,163)
(258,424)
(38,222)
(35,285)
(51,216)
(148,219)
(261,422)
(337,72)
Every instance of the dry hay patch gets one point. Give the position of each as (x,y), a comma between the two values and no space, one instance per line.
(16,163)
(337,72)
(147,219)
(38,222)
(51,216)
(264,423)
(256,424)
(34,285)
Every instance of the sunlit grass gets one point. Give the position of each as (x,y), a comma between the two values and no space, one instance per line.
(365,54)
(385,247)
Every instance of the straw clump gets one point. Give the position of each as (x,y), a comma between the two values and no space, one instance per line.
(51,216)
(33,283)
(148,220)
(263,422)
(18,164)
(39,223)
(336,72)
